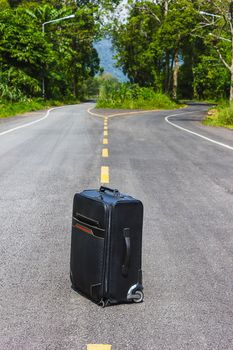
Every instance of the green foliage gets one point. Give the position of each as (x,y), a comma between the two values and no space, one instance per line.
(163,46)
(130,96)
(136,43)
(14,82)
(63,56)
(211,79)
(4,4)
(148,42)
(10,109)
(221,116)
(225,116)
(159,43)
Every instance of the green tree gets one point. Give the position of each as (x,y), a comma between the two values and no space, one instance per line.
(4,4)
(136,44)
(152,43)
(174,37)
(63,55)
(211,79)
(216,27)
(23,51)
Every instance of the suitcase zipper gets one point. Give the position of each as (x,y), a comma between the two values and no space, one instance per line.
(107,255)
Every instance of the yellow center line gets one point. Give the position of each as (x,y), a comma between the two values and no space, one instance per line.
(104,179)
(104,175)
(105,152)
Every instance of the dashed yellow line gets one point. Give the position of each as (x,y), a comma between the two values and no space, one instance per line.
(105,152)
(104,175)
(99,347)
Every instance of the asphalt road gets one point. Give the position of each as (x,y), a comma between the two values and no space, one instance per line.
(186,185)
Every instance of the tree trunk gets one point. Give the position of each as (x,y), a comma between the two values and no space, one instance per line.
(167,64)
(74,47)
(167,72)
(175,73)
(231,89)
(166,6)
(231,67)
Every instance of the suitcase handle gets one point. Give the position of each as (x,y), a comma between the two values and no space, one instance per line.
(115,192)
(125,266)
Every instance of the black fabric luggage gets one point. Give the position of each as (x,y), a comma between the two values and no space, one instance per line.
(105,262)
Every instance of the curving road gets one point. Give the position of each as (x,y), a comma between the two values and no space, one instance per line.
(186,184)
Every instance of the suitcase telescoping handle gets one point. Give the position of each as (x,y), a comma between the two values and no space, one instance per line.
(115,192)
(125,266)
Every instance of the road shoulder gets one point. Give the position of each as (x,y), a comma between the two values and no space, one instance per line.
(192,121)
(11,122)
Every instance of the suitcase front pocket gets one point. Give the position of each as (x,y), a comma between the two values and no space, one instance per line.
(89,229)
(87,254)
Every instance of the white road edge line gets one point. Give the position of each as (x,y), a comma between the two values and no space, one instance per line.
(31,123)
(194,133)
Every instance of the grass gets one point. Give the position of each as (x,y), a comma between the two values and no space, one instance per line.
(159,101)
(222,116)
(131,96)
(8,109)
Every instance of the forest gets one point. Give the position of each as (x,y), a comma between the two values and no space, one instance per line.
(181,48)
(43,57)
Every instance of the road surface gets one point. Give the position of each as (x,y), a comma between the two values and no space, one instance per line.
(186,185)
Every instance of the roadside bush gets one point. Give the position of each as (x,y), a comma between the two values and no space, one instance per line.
(221,116)
(130,96)
(8,109)
(11,94)
(225,115)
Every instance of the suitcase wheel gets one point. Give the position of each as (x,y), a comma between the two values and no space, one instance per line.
(138,296)
(104,303)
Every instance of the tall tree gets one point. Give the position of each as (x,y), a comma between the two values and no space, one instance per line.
(63,55)
(216,26)
(151,43)
(136,43)
(174,31)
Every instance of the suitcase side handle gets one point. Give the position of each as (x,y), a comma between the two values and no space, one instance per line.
(125,266)
(115,192)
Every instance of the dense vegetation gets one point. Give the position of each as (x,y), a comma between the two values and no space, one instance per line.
(130,96)
(180,47)
(10,109)
(59,55)
(222,115)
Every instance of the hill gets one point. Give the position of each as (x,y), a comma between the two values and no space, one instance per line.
(107,61)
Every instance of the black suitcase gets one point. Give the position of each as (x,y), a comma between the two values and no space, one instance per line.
(105,262)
